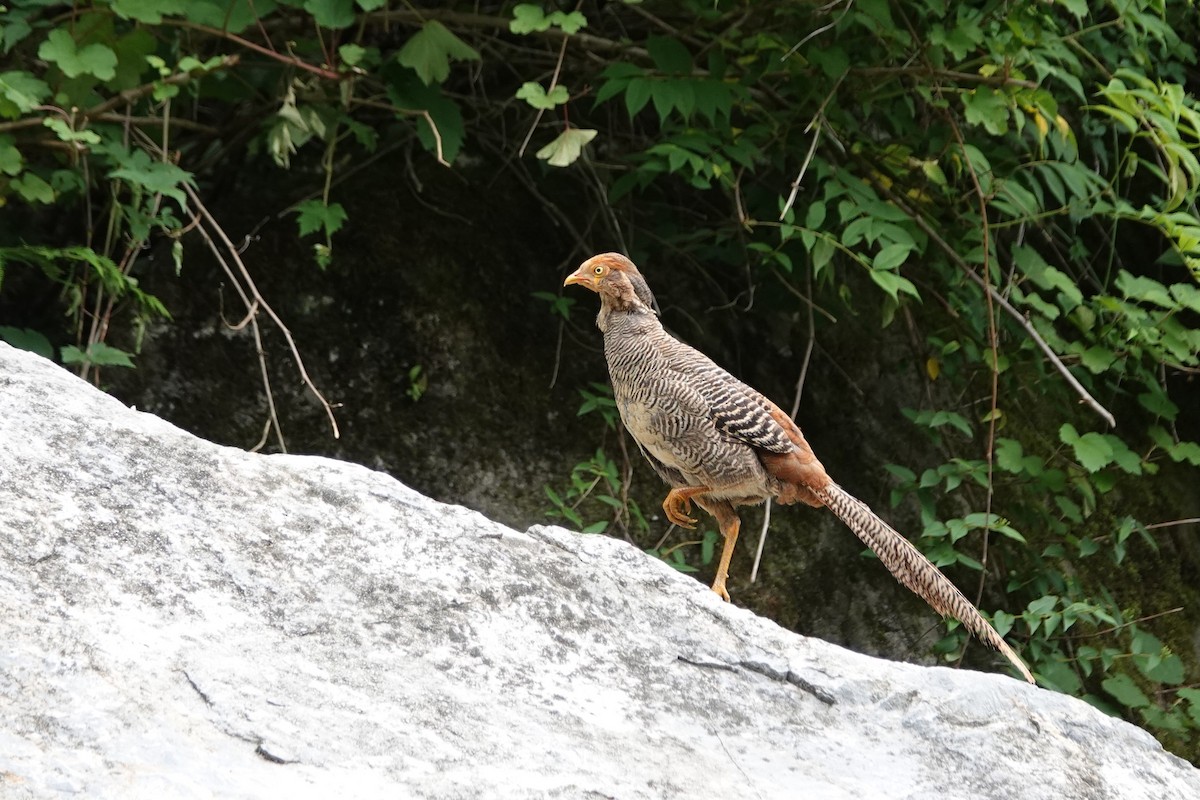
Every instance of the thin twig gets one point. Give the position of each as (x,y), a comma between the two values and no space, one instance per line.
(994,345)
(817,32)
(1012,311)
(1116,628)
(287,334)
(1172,523)
(272,412)
(812,148)
(804,298)
(327,74)
(250,319)
(808,351)
(437,139)
(562,52)
(626,479)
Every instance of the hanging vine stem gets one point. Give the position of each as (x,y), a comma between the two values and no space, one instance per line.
(804,364)
(815,122)
(250,319)
(562,53)
(260,302)
(994,346)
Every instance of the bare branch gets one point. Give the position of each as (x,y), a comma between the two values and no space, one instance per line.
(258,298)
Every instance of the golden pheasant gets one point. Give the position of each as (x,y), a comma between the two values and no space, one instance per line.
(720,443)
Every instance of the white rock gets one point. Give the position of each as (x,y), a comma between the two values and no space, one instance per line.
(182,620)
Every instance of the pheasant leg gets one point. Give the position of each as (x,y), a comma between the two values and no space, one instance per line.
(730,524)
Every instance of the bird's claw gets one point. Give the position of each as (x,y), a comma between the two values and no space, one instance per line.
(719,587)
(677,509)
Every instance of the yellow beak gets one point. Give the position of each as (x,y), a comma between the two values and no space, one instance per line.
(585,279)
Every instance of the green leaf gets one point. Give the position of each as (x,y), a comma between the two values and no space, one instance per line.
(1185,451)
(528,18)
(94,59)
(430,51)
(314,215)
(1156,401)
(1092,451)
(233,16)
(1144,289)
(98,353)
(567,147)
(1125,458)
(32,188)
(637,94)
(351,54)
(1043,606)
(67,134)
(570,23)
(20,93)
(669,55)
(713,98)
(333,14)
(11,160)
(26,339)
(892,283)
(959,39)
(534,94)
(1009,455)
(1169,670)
(1030,262)
(1060,676)
(154,176)
(987,107)
(1192,696)
(1077,7)
(891,257)
(1097,358)
(1186,295)
(14,29)
(149,11)
(1125,691)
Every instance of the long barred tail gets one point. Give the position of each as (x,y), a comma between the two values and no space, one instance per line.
(910,566)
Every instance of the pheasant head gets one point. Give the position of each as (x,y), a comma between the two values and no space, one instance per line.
(615,278)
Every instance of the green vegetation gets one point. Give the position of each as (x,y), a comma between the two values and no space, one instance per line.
(1017,184)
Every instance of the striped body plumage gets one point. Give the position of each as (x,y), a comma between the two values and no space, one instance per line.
(719,442)
(688,415)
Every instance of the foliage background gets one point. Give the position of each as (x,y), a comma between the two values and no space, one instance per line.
(962,238)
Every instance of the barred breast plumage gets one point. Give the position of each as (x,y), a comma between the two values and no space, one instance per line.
(719,442)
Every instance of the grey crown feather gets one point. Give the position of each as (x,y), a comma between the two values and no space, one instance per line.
(641,290)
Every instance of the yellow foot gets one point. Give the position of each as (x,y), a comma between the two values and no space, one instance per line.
(719,587)
(677,506)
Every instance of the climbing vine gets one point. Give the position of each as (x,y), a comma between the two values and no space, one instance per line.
(1016,183)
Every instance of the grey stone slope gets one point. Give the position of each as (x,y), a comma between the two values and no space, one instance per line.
(183,620)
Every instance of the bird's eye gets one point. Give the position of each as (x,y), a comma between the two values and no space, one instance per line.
(598,270)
